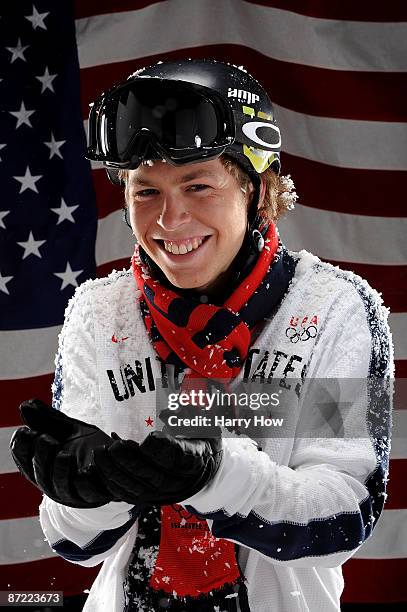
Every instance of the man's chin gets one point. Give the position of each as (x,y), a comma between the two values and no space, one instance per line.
(180,281)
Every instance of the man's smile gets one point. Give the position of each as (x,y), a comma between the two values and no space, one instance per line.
(182,246)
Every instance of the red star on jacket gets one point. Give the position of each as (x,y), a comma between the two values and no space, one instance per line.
(149,421)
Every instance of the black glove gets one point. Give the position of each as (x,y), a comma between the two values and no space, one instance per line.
(54,452)
(162,470)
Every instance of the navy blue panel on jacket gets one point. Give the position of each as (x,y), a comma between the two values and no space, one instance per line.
(100,544)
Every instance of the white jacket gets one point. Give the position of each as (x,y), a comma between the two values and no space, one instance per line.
(301,506)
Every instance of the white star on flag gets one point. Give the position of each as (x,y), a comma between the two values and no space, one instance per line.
(3,281)
(68,277)
(65,212)
(28,181)
(37,19)
(31,246)
(22,116)
(54,146)
(17,52)
(46,80)
(3,213)
(2,147)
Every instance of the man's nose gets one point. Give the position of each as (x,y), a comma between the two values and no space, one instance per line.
(174,212)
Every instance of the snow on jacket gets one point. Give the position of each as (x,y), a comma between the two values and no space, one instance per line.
(298,508)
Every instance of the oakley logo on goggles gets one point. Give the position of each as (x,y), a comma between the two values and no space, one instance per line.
(178,121)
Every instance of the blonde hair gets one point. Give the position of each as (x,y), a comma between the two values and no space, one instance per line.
(280,195)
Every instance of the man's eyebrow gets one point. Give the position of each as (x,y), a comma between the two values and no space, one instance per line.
(139,181)
(183,179)
(196,174)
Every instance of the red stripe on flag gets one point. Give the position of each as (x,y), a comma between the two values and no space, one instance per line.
(358,95)
(375,10)
(400,392)
(15,487)
(109,197)
(54,574)
(388,280)
(375,580)
(117,264)
(13,392)
(396,491)
(103,7)
(401,371)
(359,192)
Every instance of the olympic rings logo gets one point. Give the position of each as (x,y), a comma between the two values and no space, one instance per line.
(304,334)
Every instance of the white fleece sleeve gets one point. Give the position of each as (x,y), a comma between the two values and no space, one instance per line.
(318,510)
(83,536)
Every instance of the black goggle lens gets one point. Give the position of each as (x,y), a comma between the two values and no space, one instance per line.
(179,118)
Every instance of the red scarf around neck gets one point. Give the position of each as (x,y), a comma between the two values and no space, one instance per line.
(213,342)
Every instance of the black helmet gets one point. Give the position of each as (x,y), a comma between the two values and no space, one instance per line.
(231,114)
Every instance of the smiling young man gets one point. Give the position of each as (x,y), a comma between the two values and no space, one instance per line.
(218,519)
(190,221)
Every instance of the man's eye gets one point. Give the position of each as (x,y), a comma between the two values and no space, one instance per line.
(146,192)
(198,187)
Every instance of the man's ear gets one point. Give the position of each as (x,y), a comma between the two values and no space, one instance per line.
(262,192)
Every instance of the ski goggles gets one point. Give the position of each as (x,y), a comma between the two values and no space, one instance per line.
(153,118)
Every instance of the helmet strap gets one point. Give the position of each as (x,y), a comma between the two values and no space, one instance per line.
(125,217)
(253,241)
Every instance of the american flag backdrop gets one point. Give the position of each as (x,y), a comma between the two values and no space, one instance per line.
(336,72)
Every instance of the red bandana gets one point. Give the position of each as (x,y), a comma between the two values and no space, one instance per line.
(213,341)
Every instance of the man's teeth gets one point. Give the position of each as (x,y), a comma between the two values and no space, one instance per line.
(183,247)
